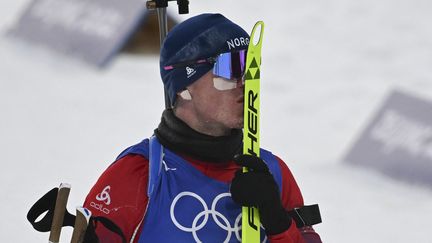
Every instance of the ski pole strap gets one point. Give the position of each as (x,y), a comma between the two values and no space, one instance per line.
(306,215)
(47,204)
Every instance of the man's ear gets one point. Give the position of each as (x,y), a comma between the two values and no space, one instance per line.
(185,95)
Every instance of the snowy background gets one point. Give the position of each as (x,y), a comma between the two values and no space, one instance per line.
(327,67)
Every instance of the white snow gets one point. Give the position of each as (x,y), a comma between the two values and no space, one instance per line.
(327,66)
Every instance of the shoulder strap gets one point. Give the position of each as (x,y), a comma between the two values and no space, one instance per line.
(153,151)
(141,148)
(155,164)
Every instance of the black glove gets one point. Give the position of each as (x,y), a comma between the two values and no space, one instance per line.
(258,188)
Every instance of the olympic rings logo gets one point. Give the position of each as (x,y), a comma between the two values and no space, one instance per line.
(225,224)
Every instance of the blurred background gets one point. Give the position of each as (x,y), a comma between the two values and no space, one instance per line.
(328,66)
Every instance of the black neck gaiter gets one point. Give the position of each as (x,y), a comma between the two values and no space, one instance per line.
(177,136)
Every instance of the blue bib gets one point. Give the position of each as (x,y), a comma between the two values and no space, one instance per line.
(184,204)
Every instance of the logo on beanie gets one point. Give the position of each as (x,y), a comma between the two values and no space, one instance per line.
(190,72)
(237,42)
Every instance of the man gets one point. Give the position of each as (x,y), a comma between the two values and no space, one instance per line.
(185,183)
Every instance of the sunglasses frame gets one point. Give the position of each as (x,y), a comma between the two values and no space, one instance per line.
(210,60)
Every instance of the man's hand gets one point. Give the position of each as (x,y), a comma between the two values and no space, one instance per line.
(258,188)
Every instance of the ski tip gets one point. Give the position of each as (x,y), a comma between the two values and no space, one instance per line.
(257,33)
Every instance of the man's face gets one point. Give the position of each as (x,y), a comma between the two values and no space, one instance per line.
(218,109)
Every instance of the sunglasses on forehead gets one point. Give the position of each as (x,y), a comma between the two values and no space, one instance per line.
(229,65)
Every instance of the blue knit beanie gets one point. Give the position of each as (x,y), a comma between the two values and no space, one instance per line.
(199,37)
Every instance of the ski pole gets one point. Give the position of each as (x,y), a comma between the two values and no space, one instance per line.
(59,212)
(81,223)
(161,6)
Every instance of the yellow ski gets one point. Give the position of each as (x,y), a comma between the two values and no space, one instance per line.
(250,217)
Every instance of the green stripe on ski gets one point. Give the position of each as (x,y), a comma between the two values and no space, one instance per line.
(250,217)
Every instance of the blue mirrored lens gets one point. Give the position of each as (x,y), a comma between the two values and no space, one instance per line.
(230,65)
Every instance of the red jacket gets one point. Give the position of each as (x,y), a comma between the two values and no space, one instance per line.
(120,194)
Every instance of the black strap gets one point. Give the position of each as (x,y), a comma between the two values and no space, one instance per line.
(91,237)
(46,204)
(306,215)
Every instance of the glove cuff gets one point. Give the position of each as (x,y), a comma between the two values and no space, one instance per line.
(275,220)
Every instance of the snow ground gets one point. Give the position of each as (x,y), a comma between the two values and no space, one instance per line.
(327,67)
